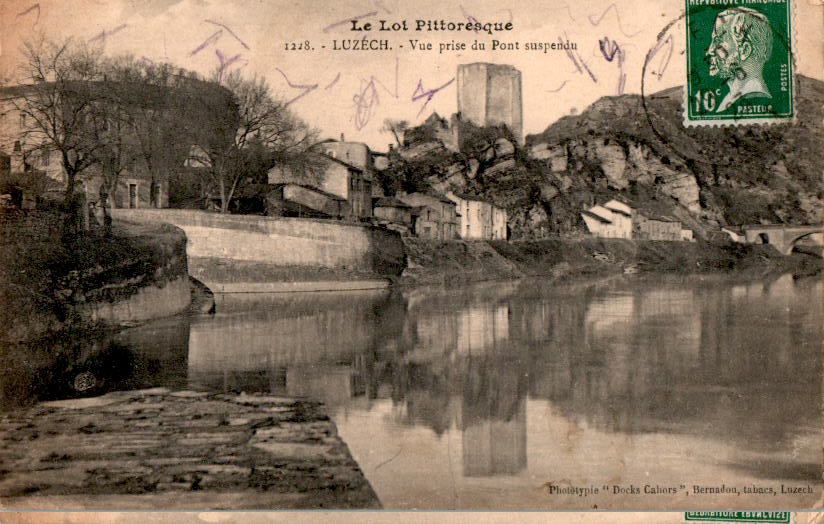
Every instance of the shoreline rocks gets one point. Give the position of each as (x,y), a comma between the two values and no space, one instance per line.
(184,449)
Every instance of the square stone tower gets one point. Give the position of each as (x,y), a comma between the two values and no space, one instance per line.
(490,94)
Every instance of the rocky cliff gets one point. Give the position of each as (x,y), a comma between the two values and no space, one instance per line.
(636,149)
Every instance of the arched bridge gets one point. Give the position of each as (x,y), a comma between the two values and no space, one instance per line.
(783,237)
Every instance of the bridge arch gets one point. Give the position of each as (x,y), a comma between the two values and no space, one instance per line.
(793,241)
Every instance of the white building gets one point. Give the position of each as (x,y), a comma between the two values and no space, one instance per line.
(612,220)
(480,220)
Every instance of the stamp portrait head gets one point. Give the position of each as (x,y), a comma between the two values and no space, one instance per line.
(741,44)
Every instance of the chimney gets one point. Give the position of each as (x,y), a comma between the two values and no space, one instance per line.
(341,138)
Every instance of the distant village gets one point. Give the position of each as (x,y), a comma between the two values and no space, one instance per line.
(346,184)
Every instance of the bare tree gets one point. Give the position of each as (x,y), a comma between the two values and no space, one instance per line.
(56,103)
(397,128)
(158,116)
(257,118)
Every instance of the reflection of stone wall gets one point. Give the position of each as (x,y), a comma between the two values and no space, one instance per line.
(268,334)
(495,447)
(481,328)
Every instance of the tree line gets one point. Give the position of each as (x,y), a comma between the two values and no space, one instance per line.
(116,112)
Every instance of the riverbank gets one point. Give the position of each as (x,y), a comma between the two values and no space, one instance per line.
(458,262)
(183,450)
(51,282)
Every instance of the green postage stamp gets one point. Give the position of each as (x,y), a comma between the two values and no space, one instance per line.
(739,62)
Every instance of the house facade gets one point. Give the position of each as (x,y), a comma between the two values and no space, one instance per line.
(393,214)
(298,200)
(616,219)
(434,216)
(480,220)
(657,228)
(611,220)
(37,164)
(339,179)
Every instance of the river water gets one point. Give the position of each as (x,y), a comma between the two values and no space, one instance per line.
(496,395)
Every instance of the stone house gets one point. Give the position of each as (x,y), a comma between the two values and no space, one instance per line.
(296,200)
(434,216)
(480,220)
(656,228)
(338,178)
(393,214)
(32,156)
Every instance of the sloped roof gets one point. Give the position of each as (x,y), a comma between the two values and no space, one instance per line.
(466,196)
(307,187)
(390,202)
(599,218)
(618,211)
(430,194)
(341,162)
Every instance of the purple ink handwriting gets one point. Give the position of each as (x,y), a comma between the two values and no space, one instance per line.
(224,63)
(213,38)
(666,46)
(576,59)
(34,8)
(105,34)
(568,10)
(305,88)
(365,102)
(614,8)
(472,20)
(611,50)
(333,82)
(558,88)
(367,98)
(224,26)
(421,93)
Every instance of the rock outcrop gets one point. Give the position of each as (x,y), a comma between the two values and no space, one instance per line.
(617,148)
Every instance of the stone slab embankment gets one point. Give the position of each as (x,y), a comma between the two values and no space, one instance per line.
(177,450)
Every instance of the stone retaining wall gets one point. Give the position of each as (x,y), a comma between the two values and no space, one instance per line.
(278,249)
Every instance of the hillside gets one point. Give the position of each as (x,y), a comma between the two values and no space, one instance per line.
(706,177)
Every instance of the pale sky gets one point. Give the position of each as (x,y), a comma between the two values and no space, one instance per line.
(352,92)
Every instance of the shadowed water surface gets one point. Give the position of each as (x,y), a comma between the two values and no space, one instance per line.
(489,396)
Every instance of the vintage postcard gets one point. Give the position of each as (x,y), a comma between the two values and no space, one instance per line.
(379,255)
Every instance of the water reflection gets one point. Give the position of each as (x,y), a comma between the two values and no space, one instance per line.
(439,392)
(737,363)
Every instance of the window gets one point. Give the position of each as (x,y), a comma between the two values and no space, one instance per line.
(22,119)
(132,196)
(45,156)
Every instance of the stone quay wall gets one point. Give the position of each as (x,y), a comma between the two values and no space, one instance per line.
(236,252)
